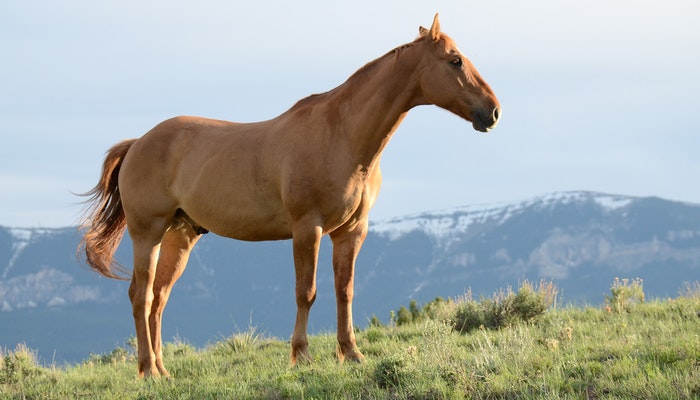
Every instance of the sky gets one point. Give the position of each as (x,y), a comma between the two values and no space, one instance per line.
(597,95)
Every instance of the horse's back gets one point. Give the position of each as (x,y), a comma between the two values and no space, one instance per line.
(211,170)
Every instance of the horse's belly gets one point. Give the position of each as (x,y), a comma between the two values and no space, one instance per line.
(255,231)
(251,224)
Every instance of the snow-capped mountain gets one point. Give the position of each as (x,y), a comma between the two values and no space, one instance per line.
(458,220)
(574,238)
(580,240)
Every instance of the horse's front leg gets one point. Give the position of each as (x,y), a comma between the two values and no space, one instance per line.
(346,246)
(306,240)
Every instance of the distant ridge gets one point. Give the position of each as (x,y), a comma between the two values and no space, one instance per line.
(460,218)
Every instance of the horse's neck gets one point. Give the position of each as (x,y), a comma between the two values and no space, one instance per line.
(373,105)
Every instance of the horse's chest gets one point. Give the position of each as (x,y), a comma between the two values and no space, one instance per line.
(335,200)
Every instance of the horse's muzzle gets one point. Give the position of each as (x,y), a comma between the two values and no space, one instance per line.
(485,121)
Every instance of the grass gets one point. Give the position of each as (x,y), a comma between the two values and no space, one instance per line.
(650,351)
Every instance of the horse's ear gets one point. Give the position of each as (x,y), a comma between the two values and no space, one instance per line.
(433,32)
(435,29)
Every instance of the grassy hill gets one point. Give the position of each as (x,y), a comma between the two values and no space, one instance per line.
(627,349)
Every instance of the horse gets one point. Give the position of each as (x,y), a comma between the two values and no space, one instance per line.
(311,171)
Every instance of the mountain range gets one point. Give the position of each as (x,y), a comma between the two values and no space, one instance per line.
(579,240)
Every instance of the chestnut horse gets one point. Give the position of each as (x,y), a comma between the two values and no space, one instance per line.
(311,171)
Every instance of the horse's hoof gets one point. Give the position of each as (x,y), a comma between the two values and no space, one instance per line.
(353,355)
(300,357)
(147,373)
(357,358)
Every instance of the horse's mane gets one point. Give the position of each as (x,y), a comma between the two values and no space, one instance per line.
(356,77)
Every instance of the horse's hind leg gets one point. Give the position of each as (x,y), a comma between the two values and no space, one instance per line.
(174,253)
(146,240)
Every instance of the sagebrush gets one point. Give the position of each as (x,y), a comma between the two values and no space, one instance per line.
(505,308)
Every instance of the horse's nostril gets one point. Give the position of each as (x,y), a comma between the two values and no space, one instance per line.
(496,113)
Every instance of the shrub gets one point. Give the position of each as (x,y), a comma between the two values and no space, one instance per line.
(437,309)
(403,316)
(531,302)
(504,308)
(17,365)
(416,311)
(469,315)
(624,294)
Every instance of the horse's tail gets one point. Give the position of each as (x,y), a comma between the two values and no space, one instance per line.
(104,222)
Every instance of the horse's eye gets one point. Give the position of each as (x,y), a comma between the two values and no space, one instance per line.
(457,62)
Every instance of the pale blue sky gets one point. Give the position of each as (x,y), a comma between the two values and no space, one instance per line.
(597,95)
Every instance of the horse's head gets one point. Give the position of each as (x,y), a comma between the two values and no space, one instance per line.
(450,81)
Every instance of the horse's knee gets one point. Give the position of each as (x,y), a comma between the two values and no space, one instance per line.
(141,303)
(344,295)
(306,297)
(305,291)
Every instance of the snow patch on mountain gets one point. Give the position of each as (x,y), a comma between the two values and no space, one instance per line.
(22,237)
(439,224)
(612,203)
(443,224)
(608,202)
(21,240)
